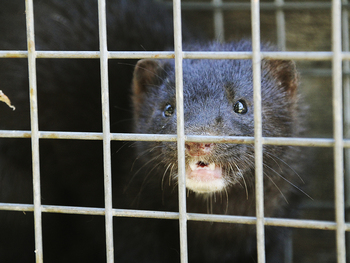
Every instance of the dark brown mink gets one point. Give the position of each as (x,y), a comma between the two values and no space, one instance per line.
(218,100)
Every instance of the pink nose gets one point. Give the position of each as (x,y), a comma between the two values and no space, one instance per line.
(199,149)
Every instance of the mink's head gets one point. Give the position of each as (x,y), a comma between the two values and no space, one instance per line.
(218,100)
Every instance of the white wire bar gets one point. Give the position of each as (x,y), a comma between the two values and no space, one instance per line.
(338,130)
(346,84)
(258,146)
(281,44)
(281,26)
(34,131)
(219,28)
(281,222)
(236,6)
(346,94)
(295,55)
(180,130)
(282,141)
(106,131)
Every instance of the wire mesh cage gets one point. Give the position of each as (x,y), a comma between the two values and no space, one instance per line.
(65,148)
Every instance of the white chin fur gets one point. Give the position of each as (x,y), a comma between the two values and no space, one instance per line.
(204,178)
(205,187)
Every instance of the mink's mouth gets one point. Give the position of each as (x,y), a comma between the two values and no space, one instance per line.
(203,177)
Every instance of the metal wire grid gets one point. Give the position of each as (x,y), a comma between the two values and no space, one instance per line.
(337,56)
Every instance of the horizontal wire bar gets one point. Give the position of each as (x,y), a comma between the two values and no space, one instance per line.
(321,72)
(263,6)
(141,54)
(282,222)
(282,141)
(13,54)
(296,223)
(295,55)
(16,207)
(90,54)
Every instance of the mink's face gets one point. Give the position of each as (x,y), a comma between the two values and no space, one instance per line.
(218,101)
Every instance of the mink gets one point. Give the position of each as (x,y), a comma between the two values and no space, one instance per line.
(218,101)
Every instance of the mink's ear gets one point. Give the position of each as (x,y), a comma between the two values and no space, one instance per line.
(146,75)
(285,73)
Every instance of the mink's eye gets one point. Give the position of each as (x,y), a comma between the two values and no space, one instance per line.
(240,107)
(168,110)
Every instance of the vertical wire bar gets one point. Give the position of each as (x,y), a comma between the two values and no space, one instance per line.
(219,22)
(259,183)
(346,85)
(281,26)
(288,247)
(106,130)
(338,130)
(180,130)
(34,130)
(281,43)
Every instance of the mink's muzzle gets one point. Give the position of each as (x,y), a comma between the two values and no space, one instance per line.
(199,149)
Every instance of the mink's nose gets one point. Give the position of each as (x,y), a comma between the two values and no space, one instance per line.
(199,149)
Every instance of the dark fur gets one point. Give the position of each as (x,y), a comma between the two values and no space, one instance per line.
(71,171)
(69,100)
